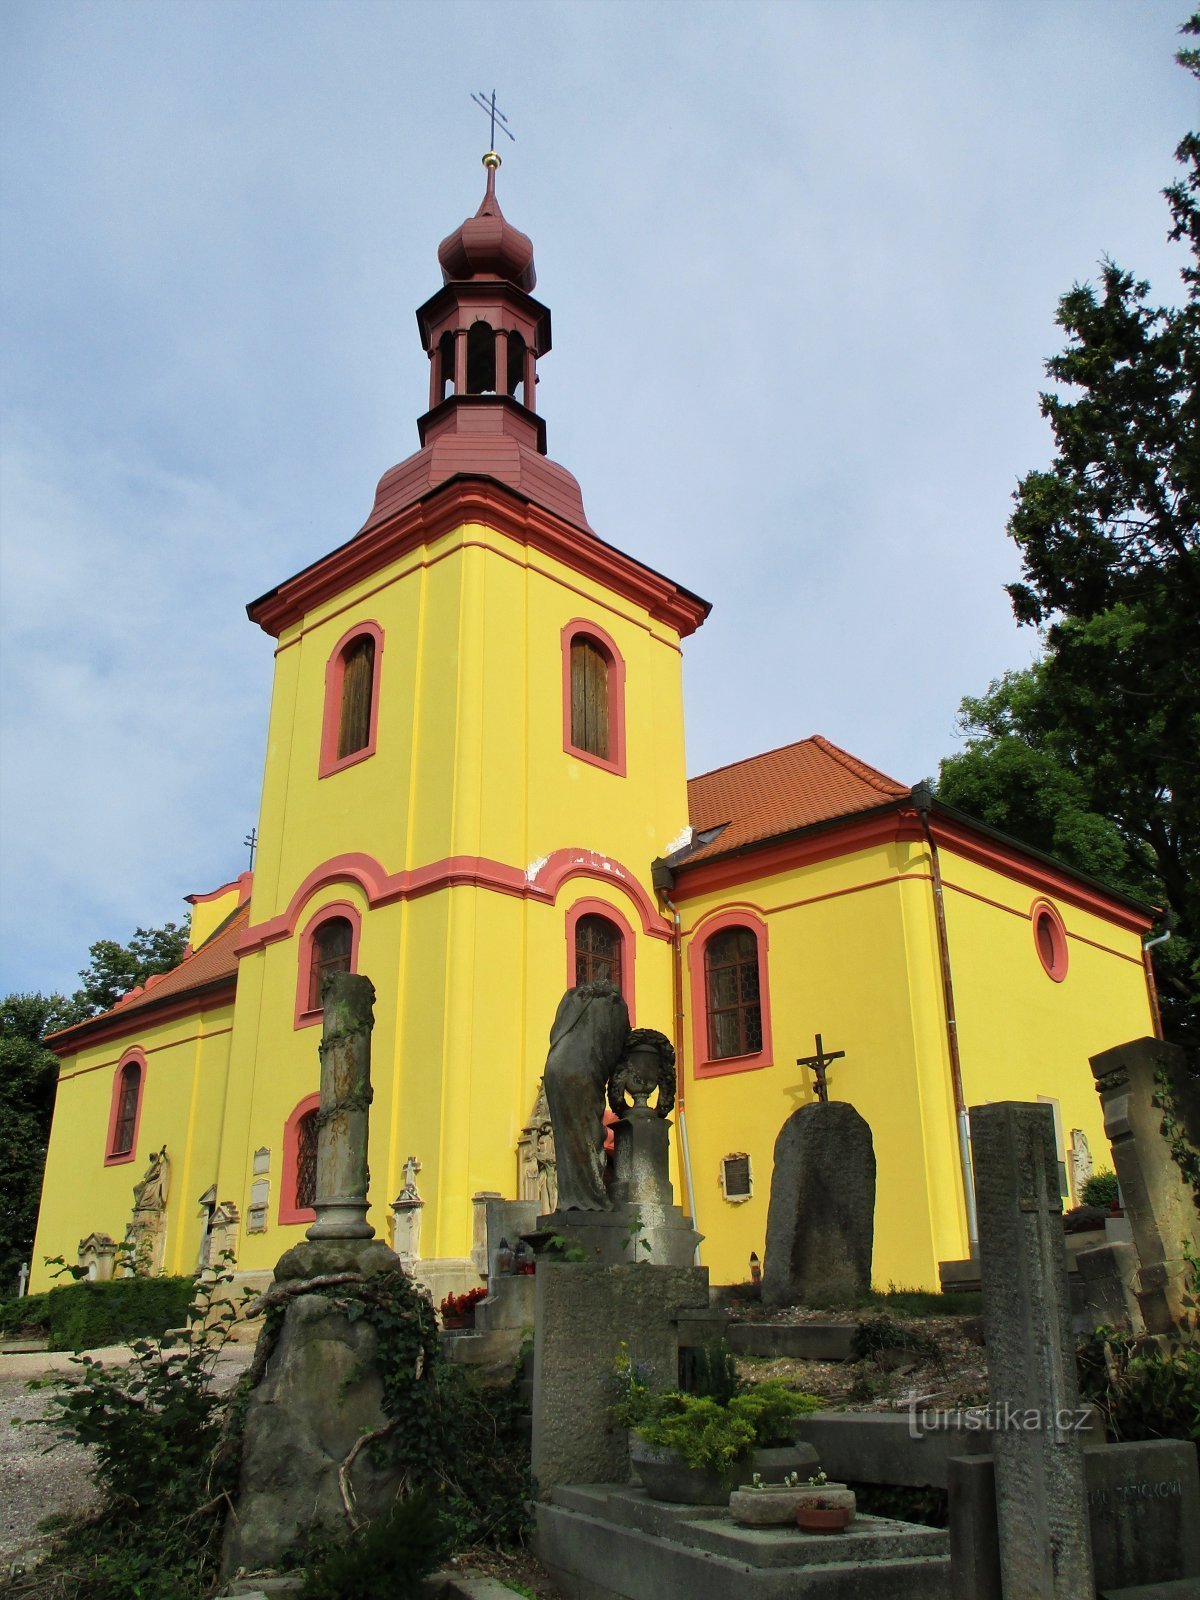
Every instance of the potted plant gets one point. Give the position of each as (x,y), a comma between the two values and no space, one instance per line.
(458,1310)
(824,1507)
(758,1504)
(772,1408)
(693,1451)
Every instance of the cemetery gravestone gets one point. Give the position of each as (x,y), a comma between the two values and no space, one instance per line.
(1041,1496)
(821,1221)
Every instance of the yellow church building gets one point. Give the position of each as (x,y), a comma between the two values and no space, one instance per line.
(475,792)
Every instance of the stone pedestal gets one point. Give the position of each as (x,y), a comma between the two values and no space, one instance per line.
(320,1392)
(1041,1498)
(821,1222)
(1159,1202)
(613,1238)
(583,1315)
(641,1156)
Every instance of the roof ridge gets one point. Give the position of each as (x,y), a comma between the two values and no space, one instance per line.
(861,769)
(759,755)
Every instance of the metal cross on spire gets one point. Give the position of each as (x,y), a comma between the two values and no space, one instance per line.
(818,1063)
(488,103)
(251,841)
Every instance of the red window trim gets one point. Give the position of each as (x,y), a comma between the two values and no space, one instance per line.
(336,908)
(134,1057)
(584,626)
(335,669)
(289,1211)
(602,908)
(704,1065)
(1043,911)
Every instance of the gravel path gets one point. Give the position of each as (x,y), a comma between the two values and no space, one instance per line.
(39,1484)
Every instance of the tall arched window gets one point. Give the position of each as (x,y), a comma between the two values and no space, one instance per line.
(306,1162)
(589,697)
(731,1020)
(332,950)
(298,1180)
(351,698)
(516,366)
(481,359)
(445,365)
(731,991)
(593,697)
(358,677)
(329,943)
(598,945)
(126,1109)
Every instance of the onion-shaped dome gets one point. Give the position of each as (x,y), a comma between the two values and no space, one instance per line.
(486,246)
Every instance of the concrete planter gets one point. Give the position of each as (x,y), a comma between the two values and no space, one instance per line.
(665,1476)
(774,1505)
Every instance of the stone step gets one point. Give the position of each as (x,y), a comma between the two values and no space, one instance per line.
(1172,1589)
(795,1341)
(613,1542)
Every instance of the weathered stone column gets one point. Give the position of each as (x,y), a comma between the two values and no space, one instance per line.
(346,1094)
(1041,1491)
(1159,1202)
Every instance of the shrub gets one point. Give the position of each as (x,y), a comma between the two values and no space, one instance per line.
(702,1433)
(771,1409)
(1101,1189)
(714,1371)
(86,1316)
(392,1557)
(1143,1390)
(881,1333)
(457,1305)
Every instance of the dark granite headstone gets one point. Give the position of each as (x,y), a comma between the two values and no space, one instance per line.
(821,1223)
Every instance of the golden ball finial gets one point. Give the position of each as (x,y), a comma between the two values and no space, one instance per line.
(491,161)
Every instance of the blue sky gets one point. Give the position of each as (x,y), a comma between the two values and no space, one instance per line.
(803,261)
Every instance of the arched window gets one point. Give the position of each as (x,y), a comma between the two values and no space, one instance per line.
(358,677)
(593,697)
(516,366)
(306,1162)
(351,698)
(126,1109)
(598,945)
(298,1182)
(332,950)
(589,697)
(328,944)
(481,359)
(731,1022)
(731,992)
(445,365)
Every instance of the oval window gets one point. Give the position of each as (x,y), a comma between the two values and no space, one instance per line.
(1050,939)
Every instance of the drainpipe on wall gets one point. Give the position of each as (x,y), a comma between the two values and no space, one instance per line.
(664,882)
(922,799)
(1151,985)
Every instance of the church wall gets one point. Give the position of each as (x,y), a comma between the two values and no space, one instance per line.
(837,965)
(187,1061)
(1022,1035)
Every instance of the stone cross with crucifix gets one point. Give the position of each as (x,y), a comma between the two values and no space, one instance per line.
(818,1064)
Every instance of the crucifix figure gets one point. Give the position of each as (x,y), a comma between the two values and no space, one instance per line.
(818,1063)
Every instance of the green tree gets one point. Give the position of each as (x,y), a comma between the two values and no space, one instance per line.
(115,968)
(28,1079)
(1094,753)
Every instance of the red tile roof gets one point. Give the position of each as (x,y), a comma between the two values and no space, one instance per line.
(208,965)
(780,792)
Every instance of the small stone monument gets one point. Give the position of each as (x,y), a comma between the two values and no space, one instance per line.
(821,1220)
(1159,1202)
(97,1255)
(1041,1490)
(406,1216)
(320,1392)
(146,1231)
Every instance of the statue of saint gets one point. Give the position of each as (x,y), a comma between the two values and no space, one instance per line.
(151,1193)
(586,1042)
